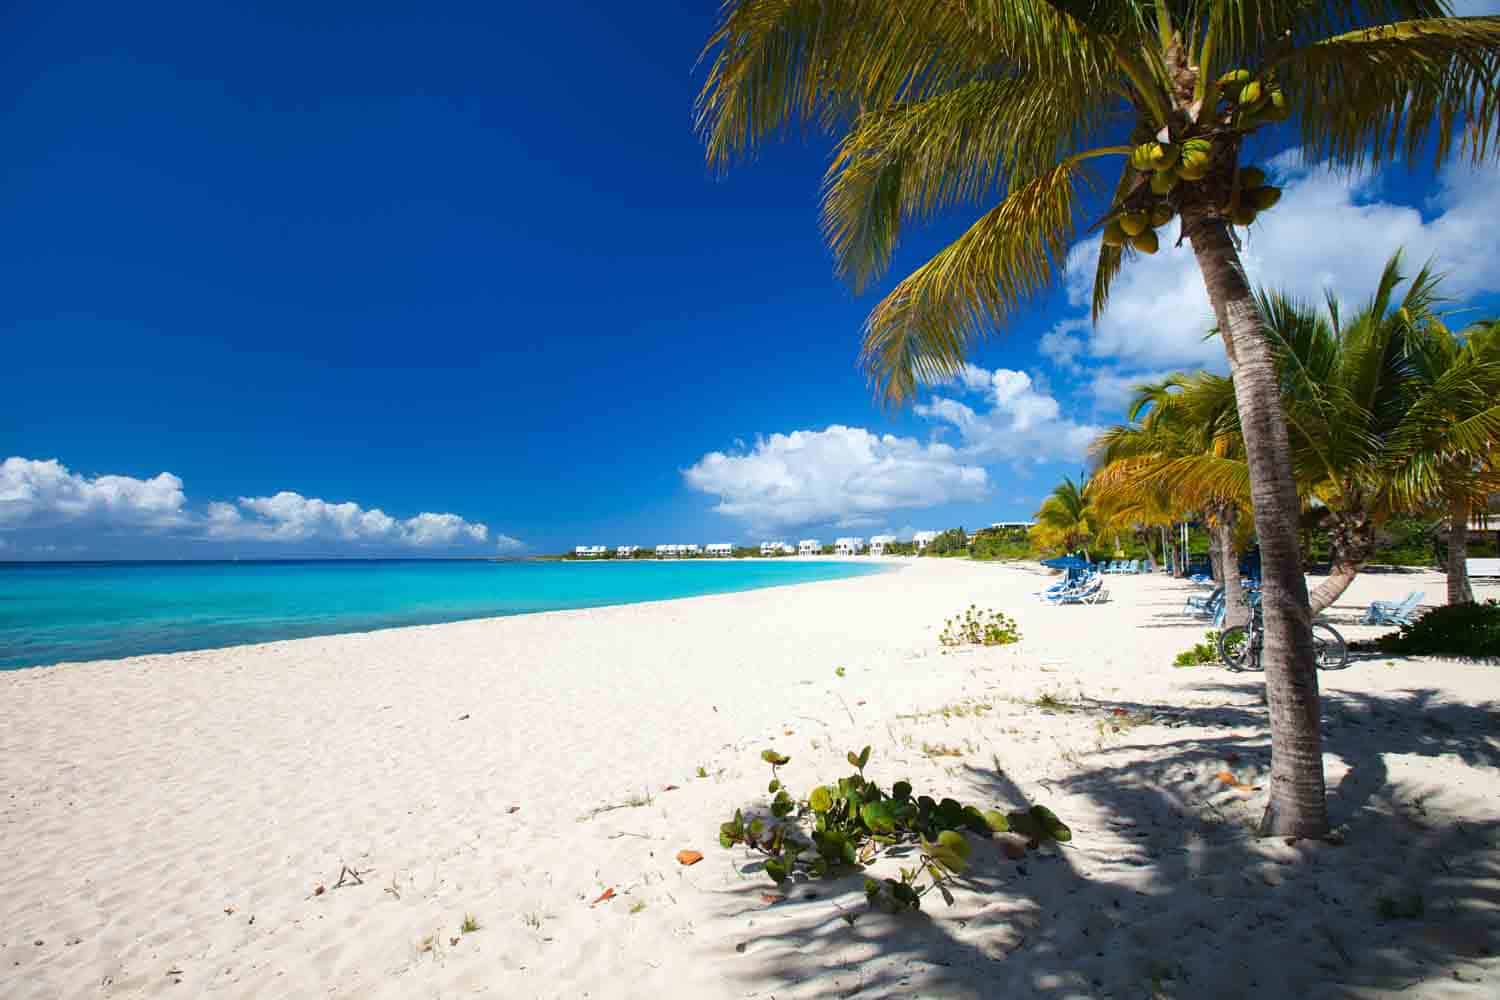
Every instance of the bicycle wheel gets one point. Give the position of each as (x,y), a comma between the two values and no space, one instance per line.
(1234,648)
(1330,651)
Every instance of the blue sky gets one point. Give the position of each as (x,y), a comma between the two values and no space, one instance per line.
(356,279)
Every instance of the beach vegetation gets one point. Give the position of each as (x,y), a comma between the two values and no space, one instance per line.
(941,750)
(926,125)
(1067,519)
(470,924)
(1463,630)
(949,543)
(1206,651)
(851,824)
(979,627)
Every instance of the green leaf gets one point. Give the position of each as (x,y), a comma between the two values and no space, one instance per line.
(820,801)
(773,786)
(901,791)
(1053,827)
(777,869)
(773,758)
(877,817)
(864,757)
(996,821)
(947,896)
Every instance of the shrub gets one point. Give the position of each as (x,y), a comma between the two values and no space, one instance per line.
(1451,630)
(848,825)
(1206,651)
(977,627)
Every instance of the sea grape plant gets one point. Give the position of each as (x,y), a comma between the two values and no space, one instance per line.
(976,627)
(846,826)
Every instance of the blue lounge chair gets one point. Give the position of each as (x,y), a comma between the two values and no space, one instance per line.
(1092,592)
(1389,613)
(1202,604)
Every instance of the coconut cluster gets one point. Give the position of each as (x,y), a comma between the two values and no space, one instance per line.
(1249,103)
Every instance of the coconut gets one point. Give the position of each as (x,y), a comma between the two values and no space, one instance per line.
(1114,235)
(1242,215)
(1262,197)
(1163,157)
(1133,222)
(1251,96)
(1145,241)
(1193,171)
(1163,182)
(1140,156)
(1234,77)
(1161,214)
(1251,177)
(1276,108)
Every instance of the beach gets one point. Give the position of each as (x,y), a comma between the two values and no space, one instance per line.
(178,824)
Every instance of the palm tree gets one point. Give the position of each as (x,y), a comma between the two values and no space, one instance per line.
(1066,520)
(1009,104)
(1182,451)
(1448,441)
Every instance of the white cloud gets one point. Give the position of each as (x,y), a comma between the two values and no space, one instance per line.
(505,543)
(291,517)
(1330,230)
(845,475)
(45,494)
(1064,344)
(1018,421)
(36,491)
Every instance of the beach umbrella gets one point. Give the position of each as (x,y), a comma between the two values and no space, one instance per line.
(1069,563)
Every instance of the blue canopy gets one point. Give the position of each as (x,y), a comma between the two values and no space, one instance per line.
(1066,562)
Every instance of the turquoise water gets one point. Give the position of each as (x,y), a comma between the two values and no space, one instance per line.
(57,612)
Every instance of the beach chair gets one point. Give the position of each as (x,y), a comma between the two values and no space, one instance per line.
(1201,604)
(1392,613)
(1134,566)
(1092,592)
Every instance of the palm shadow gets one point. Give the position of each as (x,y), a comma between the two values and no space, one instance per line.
(1166,891)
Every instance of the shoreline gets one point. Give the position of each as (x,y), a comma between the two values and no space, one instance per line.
(171,819)
(893,565)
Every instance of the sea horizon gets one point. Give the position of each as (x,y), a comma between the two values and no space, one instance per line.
(57,611)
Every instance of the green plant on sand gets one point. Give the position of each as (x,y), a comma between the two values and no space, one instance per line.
(1451,630)
(847,826)
(1206,651)
(979,627)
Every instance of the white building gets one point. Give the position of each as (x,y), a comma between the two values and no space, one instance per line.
(589,552)
(667,551)
(787,549)
(772,548)
(688,550)
(879,543)
(720,550)
(922,539)
(626,551)
(1012,525)
(809,547)
(849,546)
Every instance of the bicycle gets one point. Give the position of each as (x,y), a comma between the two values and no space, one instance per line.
(1240,645)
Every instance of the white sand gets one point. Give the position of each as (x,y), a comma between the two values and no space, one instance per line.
(165,821)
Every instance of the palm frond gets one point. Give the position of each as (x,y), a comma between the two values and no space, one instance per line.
(1377,93)
(921,331)
(910,161)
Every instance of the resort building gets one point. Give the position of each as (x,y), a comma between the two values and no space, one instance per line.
(773,548)
(626,551)
(1012,525)
(667,551)
(809,547)
(922,539)
(879,543)
(787,549)
(720,550)
(849,546)
(589,552)
(688,550)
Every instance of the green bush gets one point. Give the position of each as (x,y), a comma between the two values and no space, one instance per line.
(848,825)
(1206,651)
(979,628)
(1452,630)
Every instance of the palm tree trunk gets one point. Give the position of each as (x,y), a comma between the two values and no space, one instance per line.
(1459,591)
(1236,611)
(1298,805)
(1352,542)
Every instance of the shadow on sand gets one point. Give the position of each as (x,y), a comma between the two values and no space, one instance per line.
(1165,891)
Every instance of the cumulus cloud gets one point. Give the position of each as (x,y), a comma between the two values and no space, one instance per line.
(36,495)
(845,475)
(44,491)
(505,543)
(1330,231)
(1016,419)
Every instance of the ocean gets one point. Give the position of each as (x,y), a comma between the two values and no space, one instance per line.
(61,612)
